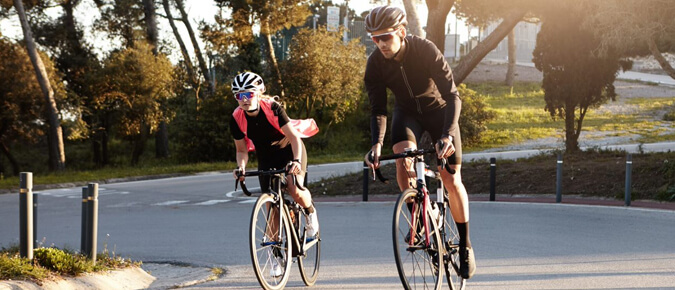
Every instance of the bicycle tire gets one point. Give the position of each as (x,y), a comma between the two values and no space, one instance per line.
(266,249)
(310,261)
(418,266)
(451,257)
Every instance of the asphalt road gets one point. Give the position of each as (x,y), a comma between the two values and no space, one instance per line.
(198,221)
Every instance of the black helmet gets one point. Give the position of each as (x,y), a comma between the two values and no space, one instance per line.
(384,17)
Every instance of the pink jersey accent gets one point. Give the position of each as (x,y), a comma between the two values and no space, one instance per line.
(305,128)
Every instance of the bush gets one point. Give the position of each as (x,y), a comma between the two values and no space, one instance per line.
(62,262)
(14,267)
(474,116)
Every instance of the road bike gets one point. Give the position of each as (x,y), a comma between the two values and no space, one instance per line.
(275,239)
(425,237)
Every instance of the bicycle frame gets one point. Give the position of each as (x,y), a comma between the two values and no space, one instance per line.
(422,172)
(278,182)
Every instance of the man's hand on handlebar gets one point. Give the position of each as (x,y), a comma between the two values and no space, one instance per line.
(372,158)
(444,148)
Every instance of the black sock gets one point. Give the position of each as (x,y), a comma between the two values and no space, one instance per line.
(463,229)
(309,209)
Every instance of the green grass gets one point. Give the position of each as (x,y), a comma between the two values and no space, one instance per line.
(521,117)
(48,262)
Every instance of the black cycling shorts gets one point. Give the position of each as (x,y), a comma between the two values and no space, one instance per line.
(408,128)
(279,160)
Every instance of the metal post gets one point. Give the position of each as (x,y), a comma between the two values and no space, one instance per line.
(26,215)
(365,181)
(493,177)
(84,227)
(35,220)
(629,165)
(558,183)
(93,221)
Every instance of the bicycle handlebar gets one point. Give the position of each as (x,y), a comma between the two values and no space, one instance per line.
(263,173)
(410,153)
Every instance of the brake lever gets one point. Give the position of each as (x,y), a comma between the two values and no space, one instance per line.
(444,161)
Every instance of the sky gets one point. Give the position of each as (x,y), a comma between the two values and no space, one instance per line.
(202,10)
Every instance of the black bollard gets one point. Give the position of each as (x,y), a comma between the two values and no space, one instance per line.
(84,227)
(26,215)
(558,184)
(35,219)
(629,165)
(365,181)
(493,178)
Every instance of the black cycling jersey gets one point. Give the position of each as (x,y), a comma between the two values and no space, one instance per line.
(421,83)
(272,147)
(267,139)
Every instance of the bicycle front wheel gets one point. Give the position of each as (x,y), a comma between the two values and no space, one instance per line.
(451,257)
(311,256)
(269,243)
(418,259)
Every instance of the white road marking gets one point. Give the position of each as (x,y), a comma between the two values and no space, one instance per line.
(171,202)
(212,202)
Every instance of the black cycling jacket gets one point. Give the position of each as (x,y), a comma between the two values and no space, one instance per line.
(422,82)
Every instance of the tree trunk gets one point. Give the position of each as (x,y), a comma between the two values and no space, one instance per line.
(195,45)
(476,55)
(16,167)
(659,57)
(183,49)
(161,136)
(151,24)
(57,157)
(414,25)
(162,140)
(273,60)
(511,71)
(571,136)
(139,144)
(438,13)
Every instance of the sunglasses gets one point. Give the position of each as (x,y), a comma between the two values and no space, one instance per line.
(244,96)
(384,36)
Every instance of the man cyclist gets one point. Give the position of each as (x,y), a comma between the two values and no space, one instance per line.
(426,100)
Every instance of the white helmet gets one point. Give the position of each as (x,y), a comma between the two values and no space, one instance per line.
(247,81)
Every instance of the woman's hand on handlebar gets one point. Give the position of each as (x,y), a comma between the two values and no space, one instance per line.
(444,147)
(372,158)
(294,167)
(238,173)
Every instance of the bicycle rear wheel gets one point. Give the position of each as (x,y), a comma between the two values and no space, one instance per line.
(269,244)
(451,257)
(418,264)
(309,261)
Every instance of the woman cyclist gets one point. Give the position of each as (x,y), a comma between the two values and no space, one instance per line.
(276,142)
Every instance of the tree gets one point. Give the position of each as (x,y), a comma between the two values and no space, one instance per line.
(324,75)
(438,13)
(511,71)
(57,156)
(132,87)
(635,27)
(123,20)
(414,26)
(274,16)
(21,104)
(195,45)
(575,78)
